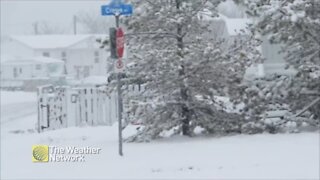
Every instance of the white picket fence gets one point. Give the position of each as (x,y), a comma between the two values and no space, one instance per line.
(61,107)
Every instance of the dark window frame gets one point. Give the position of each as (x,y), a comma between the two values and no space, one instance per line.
(46,54)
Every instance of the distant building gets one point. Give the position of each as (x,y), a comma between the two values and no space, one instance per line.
(231,29)
(274,60)
(81,53)
(27,73)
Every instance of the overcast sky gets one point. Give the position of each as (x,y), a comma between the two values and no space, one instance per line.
(17,16)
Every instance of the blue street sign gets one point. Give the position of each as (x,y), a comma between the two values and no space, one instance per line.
(116,7)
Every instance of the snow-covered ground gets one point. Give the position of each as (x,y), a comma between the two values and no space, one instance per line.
(265,156)
(18,111)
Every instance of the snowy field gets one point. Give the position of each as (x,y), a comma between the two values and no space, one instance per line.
(284,156)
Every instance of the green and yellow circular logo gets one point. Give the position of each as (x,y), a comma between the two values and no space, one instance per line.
(40,153)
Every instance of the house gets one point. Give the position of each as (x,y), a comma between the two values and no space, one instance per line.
(226,28)
(81,53)
(231,29)
(274,60)
(27,73)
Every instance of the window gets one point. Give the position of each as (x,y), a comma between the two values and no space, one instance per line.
(64,56)
(53,68)
(96,57)
(15,72)
(38,67)
(46,54)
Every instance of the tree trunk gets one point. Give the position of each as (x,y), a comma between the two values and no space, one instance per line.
(185,111)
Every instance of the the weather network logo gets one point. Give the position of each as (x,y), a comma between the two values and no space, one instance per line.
(45,153)
(40,153)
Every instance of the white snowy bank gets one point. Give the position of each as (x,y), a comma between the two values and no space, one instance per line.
(285,156)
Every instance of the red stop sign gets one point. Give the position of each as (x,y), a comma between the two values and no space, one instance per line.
(120,42)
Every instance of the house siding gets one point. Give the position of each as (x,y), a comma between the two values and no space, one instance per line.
(78,55)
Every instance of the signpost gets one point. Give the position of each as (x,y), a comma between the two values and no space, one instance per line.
(120,42)
(114,9)
(119,65)
(117,8)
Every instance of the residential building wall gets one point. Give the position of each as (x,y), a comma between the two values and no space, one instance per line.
(13,47)
(274,60)
(82,59)
(21,71)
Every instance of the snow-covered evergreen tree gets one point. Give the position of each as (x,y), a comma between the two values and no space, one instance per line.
(184,68)
(296,24)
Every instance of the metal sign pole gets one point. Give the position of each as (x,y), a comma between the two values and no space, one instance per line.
(117,8)
(119,101)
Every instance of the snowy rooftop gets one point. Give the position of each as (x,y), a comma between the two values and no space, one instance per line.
(32,60)
(53,41)
(234,26)
(5,57)
(94,80)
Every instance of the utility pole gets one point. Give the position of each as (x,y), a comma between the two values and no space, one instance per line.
(35,28)
(75,24)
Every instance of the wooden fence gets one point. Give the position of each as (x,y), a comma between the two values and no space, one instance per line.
(60,107)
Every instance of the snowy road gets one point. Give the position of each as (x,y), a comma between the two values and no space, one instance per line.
(283,156)
(18,111)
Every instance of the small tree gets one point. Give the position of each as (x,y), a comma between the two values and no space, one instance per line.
(184,68)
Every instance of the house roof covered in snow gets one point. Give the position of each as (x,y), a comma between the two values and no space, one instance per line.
(5,57)
(33,60)
(47,59)
(234,26)
(52,41)
(94,80)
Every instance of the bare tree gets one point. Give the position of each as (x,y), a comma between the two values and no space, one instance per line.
(45,27)
(93,22)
